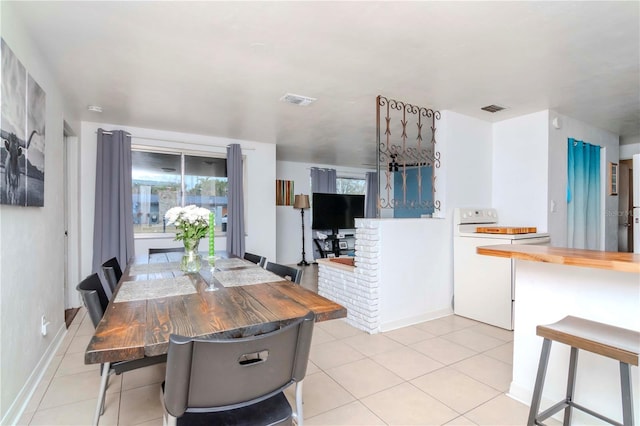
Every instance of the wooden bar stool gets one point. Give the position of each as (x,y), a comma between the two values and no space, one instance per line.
(613,342)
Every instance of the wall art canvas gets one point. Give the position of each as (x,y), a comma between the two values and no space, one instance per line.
(22,133)
(284,192)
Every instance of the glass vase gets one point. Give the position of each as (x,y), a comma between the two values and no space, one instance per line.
(191,260)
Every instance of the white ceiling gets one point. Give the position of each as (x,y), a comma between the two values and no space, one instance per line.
(219,68)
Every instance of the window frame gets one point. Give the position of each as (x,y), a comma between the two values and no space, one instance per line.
(358,178)
(176,150)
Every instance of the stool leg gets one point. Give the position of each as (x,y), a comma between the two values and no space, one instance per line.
(627,400)
(571,384)
(537,390)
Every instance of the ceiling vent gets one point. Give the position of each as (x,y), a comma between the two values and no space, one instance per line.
(297,99)
(492,108)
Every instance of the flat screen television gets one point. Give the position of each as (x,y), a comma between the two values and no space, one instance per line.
(336,211)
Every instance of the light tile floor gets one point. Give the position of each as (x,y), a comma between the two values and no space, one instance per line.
(449,371)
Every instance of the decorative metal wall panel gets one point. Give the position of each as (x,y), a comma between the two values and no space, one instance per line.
(407,151)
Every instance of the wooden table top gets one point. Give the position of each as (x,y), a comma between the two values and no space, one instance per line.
(134,328)
(614,261)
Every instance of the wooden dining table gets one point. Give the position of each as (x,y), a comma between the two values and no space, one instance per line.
(233,297)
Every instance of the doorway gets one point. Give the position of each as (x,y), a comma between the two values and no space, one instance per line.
(71,187)
(625,206)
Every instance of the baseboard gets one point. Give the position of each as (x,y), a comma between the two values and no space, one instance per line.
(404,322)
(19,404)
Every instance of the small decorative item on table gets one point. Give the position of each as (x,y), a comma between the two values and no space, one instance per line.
(191,223)
(212,248)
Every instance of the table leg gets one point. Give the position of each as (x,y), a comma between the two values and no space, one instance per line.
(102,393)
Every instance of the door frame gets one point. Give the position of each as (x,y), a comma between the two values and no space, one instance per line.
(625,193)
(71,218)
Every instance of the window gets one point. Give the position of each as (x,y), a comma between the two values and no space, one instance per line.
(162,180)
(353,186)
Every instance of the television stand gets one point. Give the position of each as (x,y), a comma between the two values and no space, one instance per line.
(335,248)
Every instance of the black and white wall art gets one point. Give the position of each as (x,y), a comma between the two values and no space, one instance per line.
(22,133)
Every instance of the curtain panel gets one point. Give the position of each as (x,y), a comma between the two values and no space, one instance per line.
(113,218)
(323,180)
(371,195)
(235,206)
(583,195)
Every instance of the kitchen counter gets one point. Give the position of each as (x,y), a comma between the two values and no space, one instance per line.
(553,282)
(614,261)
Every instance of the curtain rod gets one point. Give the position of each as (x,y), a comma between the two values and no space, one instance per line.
(177,141)
(336,169)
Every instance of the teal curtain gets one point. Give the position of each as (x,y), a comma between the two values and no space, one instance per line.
(583,195)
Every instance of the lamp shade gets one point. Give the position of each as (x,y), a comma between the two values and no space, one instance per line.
(301,202)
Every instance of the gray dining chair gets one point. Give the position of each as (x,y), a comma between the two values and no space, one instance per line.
(255,258)
(96,302)
(112,272)
(286,272)
(254,370)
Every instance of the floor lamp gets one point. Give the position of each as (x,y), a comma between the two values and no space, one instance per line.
(302,202)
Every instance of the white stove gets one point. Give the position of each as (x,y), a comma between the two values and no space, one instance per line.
(483,285)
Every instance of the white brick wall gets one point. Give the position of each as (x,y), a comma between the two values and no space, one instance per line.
(357,290)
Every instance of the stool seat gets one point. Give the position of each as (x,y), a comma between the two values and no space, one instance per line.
(603,339)
(610,341)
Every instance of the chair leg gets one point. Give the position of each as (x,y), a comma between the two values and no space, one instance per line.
(299,415)
(571,384)
(101,394)
(171,421)
(627,400)
(537,390)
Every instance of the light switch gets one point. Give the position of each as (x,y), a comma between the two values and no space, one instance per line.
(553,206)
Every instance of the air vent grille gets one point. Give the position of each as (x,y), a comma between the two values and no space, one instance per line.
(297,99)
(492,108)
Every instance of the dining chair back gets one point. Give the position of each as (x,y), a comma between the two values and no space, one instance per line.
(255,370)
(112,272)
(94,297)
(255,258)
(96,301)
(166,250)
(286,272)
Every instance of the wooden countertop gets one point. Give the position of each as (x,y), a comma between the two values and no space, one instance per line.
(614,261)
(337,264)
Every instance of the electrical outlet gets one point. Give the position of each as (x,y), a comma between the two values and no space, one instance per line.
(43,325)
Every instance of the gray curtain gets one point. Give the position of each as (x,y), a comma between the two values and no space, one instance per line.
(371,195)
(113,219)
(235,207)
(323,180)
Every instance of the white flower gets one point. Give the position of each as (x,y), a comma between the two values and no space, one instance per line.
(191,221)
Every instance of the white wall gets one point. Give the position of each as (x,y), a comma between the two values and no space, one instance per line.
(289,222)
(631,146)
(465,144)
(520,161)
(260,161)
(571,128)
(414,285)
(31,249)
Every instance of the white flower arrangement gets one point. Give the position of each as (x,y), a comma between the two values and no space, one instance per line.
(192,222)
